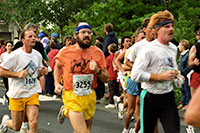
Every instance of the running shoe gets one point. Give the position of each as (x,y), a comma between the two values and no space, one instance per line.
(121,111)
(61,116)
(23,130)
(3,127)
(110,106)
(116,100)
(4,100)
(190,129)
(24,127)
(132,130)
(125,131)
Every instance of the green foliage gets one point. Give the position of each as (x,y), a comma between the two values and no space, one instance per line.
(19,11)
(125,15)
(188,18)
(178,94)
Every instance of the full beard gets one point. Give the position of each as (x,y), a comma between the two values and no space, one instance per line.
(82,44)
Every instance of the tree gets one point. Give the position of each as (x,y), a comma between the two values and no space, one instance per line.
(60,12)
(19,11)
(125,15)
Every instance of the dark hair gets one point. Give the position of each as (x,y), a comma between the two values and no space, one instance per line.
(125,38)
(2,41)
(99,45)
(100,38)
(67,37)
(108,27)
(145,22)
(11,42)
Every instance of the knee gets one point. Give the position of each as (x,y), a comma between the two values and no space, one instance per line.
(33,123)
(131,111)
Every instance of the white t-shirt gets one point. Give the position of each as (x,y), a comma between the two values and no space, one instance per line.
(3,56)
(135,49)
(154,58)
(18,61)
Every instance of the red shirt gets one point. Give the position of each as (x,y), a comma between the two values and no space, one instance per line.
(110,68)
(51,56)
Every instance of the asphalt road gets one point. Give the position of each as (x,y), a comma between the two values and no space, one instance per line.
(105,120)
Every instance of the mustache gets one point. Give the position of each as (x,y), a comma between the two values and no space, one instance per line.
(86,38)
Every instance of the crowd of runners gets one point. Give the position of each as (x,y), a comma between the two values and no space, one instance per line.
(141,72)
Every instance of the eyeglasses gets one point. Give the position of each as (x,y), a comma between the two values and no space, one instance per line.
(84,32)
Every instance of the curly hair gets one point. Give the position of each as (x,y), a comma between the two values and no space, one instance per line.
(160,17)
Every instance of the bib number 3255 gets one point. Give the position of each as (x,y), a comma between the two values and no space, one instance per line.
(82,84)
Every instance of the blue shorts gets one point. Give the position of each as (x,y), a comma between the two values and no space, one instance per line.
(132,87)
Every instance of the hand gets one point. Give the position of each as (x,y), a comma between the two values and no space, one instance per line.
(181,77)
(23,73)
(58,89)
(115,68)
(93,66)
(42,71)
(167,75)
(196,61)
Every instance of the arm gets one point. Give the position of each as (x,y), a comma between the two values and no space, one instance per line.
(11,74)
(192,114)
(165,76)
(118,60)
(42,71)
(128,65)
(102,74)
(57,74)
(139,71)
(192,60)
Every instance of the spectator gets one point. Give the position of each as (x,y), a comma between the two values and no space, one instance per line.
(113,85)
(4,56)
(49,86)
(109,38)
(67,41)
(54,37)
(184,69)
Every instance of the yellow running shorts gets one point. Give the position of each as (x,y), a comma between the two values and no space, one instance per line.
(85,104)
(21,103)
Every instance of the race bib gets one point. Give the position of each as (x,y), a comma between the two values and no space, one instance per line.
(82,84)
(164,84)
(30,80)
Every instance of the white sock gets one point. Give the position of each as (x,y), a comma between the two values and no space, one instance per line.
(24,125)
(126,130)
